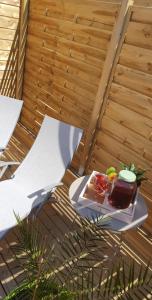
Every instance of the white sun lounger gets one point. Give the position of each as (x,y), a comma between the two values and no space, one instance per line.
(41,170)
(9,113)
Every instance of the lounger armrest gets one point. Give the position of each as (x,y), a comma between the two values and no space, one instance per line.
(48,190)
(5,164)
(51,187)
(8,163)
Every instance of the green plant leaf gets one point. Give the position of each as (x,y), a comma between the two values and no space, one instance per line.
(80,269)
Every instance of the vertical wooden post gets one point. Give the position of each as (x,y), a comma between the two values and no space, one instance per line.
(118,32)
(22,46)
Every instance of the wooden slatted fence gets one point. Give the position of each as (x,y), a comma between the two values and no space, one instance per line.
(66,48)
(124,132)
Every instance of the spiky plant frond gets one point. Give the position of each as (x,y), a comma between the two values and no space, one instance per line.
(76,266)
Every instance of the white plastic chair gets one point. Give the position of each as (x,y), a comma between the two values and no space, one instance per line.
(38,174)
(9,113)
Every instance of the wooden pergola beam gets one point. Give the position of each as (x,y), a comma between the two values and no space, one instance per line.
(112,54)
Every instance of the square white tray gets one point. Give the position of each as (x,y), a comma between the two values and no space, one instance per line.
(125,215)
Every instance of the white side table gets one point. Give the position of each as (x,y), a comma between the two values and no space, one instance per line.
(140,214)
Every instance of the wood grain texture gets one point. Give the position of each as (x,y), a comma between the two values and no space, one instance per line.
(137,58)
(10,11)
(133,79)
(100,100)
(22,39)
(67,45)
(142,15)
(125,131)
(9,18)
(87,10)
(140,34)
(143,3)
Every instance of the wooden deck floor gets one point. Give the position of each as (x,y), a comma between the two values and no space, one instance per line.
(54,221)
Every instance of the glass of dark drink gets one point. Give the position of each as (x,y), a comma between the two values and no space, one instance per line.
(123,190)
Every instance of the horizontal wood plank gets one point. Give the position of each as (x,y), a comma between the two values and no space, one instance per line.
(129,98)
(142,14)
(11,2)
(133,79)
(9,11)
(92,10)
(139,34)
(136,58)
(8,23)
(127,137)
